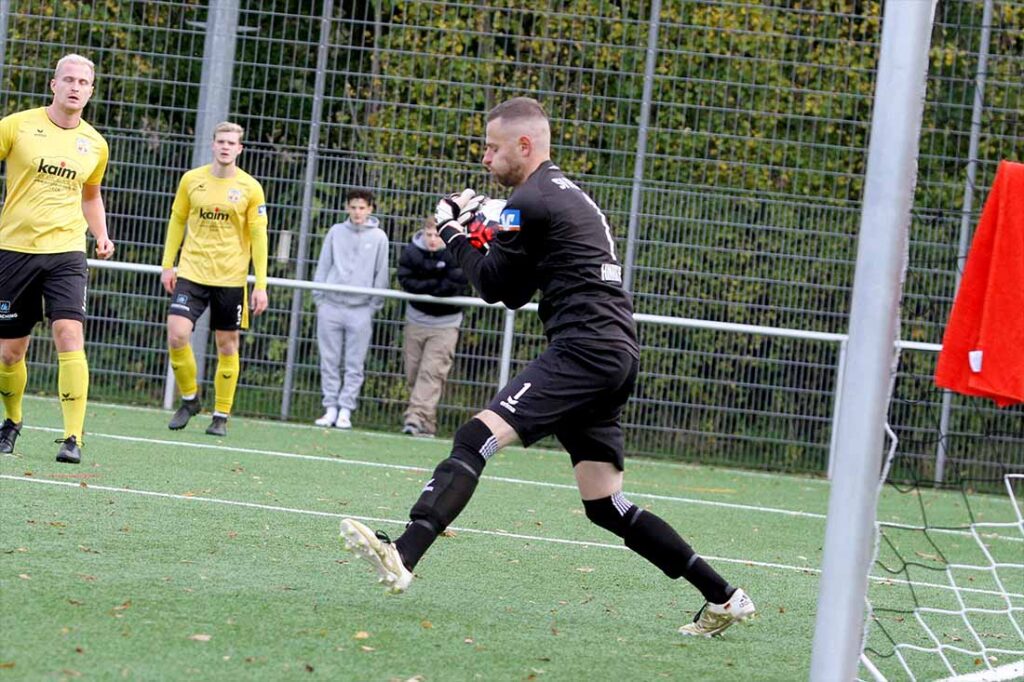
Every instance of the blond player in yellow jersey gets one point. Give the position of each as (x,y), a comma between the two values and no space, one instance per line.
(225,212)
(55,164)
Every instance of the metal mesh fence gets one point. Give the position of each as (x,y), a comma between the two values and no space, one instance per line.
(734,187)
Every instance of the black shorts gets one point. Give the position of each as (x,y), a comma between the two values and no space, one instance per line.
(30,280)
(575,391)
(227,304)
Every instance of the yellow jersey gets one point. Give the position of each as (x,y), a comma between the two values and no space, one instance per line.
(46,168)
(227,227)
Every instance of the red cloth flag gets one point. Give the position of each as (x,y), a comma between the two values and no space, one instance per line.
(983,347)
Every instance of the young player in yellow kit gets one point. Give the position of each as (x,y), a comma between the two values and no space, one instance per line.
(55,164)
(226,213)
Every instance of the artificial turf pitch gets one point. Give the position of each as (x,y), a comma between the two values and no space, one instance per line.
(173,555)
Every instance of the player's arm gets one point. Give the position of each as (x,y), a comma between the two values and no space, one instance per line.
(256,219)
(175,236)
(93,210)
(96,217)
(8,132)
(505,273)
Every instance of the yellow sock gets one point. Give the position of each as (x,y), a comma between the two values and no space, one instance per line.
(12,387)
(225,382)
(73,385)
(183,363)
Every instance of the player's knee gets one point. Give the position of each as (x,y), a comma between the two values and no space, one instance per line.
(474,444)
(68,335)
(614,513)
(455,479)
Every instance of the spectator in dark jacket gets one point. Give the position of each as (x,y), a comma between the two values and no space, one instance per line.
(431,329)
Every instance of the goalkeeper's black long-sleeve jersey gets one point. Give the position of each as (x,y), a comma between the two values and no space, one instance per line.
(553,237)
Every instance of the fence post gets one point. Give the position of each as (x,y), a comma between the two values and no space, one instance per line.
(641,143)
(214,106)
(5,13)
(506,347)
(306,216)
(874,327)
(965,213)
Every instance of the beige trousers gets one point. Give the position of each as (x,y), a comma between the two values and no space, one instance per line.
(429,352)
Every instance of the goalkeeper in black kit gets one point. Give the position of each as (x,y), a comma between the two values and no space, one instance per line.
(551,237)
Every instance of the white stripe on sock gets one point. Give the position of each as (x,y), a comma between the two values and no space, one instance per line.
(489,448)
(622,505)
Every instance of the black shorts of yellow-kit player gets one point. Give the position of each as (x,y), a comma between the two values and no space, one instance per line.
(228,305)
(34,283)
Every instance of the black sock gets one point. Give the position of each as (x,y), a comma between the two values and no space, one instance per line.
(653,539)
(414,543)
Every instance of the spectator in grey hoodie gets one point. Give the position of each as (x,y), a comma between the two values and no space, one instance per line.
(354,253)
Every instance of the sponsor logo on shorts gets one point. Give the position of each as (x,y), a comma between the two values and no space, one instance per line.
(180,302)
(511,402)
(5,311)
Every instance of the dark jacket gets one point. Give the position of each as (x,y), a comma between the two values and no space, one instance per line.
(436,273)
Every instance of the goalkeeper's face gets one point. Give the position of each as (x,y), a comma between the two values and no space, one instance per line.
(507,152)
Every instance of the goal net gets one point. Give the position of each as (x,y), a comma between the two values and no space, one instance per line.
(945,597)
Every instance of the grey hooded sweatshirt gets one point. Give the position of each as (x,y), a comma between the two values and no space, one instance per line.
(356,255)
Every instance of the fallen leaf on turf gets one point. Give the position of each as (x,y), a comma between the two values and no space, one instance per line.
(76,602)
(782,609)
(585,569)
(232,535)
(27,473)
(200,638)
(309,668)
(25,576)
(127,604)
(448,534)
(88,550)
(83,484)
(468,640)
(367,648)
(71,673)
(362,634)
(79,650)
(426,624)
(6,665)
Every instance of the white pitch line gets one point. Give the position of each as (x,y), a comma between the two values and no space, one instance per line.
(405,467)
(505,479)
(638,462)
(493,533)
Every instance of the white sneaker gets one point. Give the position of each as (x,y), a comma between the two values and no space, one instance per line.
(712,619)
(329,417)
(344,420)
(377,550)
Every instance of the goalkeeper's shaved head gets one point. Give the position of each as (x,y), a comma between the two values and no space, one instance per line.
(518,140)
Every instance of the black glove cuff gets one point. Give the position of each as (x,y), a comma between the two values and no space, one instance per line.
(450,230)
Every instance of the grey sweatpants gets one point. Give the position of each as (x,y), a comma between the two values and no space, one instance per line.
(343,330)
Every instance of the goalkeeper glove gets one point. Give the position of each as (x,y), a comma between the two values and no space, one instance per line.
(480,235)
(454,212)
